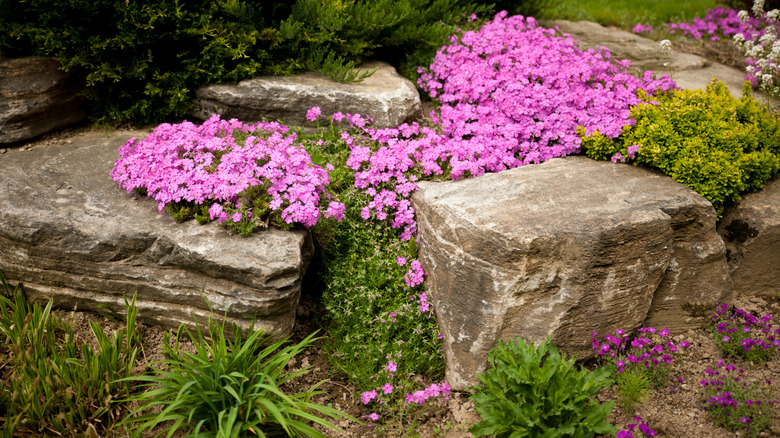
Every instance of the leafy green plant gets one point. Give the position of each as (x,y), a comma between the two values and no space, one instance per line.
(534,392)
(229,387)
(55,387)
(633,385)
(718,146)
(141,61)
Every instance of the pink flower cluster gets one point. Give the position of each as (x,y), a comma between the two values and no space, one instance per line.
(616,346)
(206,164)
(433,391)
(513,93)
(720,21)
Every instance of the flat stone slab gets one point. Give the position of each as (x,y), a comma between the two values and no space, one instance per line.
(389,98)
(751,230)
(563,249)
(70,233)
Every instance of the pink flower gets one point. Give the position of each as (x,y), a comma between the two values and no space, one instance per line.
(313,113)
(387,388)
(391,367)
(367,396)
(373,416)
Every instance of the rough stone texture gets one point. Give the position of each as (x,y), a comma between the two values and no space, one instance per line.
(751,230)
(386,96)
(35,97)
(564,248)
(70,233)
(689,71)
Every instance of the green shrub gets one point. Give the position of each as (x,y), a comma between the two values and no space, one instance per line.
(718,146)
(534,392)
(55,387)
(141,61)
(229,387)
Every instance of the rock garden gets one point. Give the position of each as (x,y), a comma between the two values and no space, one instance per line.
(575,232)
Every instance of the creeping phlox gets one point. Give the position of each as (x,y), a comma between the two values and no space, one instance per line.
(513,93)
(214,164)
(651,349)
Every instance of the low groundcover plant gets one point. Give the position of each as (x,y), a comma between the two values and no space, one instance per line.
(741,334)
(242,175)
(735,403)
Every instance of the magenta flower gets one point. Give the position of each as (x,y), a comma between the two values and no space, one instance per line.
(391,367)
(387,388)
(313,113)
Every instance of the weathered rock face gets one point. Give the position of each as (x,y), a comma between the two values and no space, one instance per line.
(35,97)
(389,98)
(690,72)
(70,233)
(564,248)
(751,230)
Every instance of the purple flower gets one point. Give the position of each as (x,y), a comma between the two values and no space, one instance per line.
(373,416)
(387,388)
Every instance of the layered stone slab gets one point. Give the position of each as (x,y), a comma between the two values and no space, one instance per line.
(751,230)
(35,97)
(70,233)
(563,249)
(389,98)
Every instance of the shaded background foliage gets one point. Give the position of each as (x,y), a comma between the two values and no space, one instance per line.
(140,61)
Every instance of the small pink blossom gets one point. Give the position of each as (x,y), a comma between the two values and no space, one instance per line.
(313,113)
(391,367)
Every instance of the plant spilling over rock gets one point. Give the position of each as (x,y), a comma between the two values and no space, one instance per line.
(741,334)
(642,363)
(141,61)
(57,388)
(241,175)
(512,94)
(535,392)
(762,48)
(718,146)
(229,387)
(734,403)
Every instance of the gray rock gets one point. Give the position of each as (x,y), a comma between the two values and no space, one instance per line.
(751,230)
(71,234)
(563,249)
(35,97)
(386,96)
(690,72)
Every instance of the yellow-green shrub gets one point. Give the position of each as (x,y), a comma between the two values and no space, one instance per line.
(719,146)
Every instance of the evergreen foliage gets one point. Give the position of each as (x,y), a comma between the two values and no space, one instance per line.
(718,146)
(141,61)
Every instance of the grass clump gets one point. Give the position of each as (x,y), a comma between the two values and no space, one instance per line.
(55,387)
(229,387)
(534,392)
(718,146)
(628,13)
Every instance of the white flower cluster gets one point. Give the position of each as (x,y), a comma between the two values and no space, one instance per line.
(762,50)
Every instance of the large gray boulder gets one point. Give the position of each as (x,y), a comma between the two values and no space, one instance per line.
(35,98)
(70,233)
(690,72)
(563,249)
(389,98)
(751,230)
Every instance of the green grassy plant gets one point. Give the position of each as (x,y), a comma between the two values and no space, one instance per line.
(633,385)
(55,387)
(534,392)
(229,387)
(628,13)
